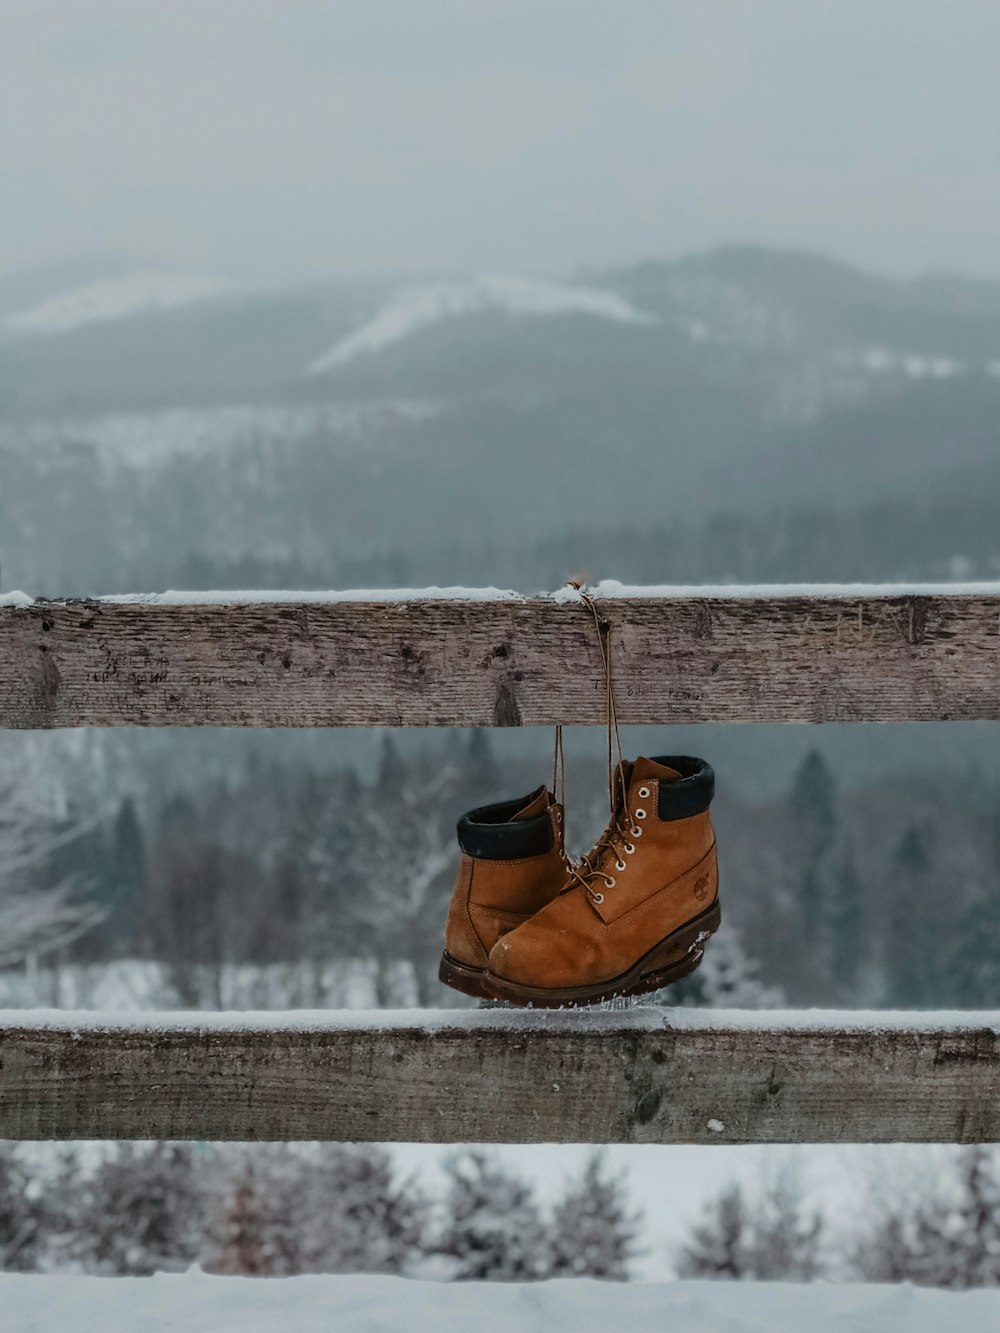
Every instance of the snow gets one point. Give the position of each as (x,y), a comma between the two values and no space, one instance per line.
(876,360)
(608,589)
(97,302)
(611,588)
(194,1300)
(226,598)
(411,309)
(596,1021)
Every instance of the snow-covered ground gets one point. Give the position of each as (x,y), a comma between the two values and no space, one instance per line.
(197,1302)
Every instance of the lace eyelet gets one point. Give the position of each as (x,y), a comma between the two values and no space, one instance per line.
(620,865)
(598,897)
(636,832)
(644,792)
(640,814)
(630,848)
(610,881)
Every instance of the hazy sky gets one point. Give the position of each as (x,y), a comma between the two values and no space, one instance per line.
(261,139)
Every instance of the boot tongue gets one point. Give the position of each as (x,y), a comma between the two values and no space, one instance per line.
(644,769)
(537,805)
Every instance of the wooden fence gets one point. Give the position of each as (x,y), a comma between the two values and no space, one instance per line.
(644,1075)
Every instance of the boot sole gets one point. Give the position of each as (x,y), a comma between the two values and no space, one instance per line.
(463,977)
(674,957)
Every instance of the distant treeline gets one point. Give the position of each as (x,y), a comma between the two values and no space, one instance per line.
(886,542)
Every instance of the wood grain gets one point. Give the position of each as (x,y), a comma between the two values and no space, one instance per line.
(599,1081)
(533,662)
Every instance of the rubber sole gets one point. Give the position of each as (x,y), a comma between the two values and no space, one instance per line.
(672,958)
(463,977)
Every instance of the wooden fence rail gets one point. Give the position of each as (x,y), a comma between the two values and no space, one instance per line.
(640,1076)
(696,655)
(477,659)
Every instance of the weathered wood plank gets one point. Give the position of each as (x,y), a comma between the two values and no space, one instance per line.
(645,1076)
(841,657)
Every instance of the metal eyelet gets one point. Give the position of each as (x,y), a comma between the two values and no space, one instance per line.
(630,848)
(640,814)
(610,881)
(644,791)
(598,897)
(620,865)
(636,832)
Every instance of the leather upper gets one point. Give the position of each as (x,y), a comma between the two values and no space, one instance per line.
(671,876)
(497,888)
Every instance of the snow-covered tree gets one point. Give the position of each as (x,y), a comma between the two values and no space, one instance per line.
(720,1245)
(845,917)
(23,1220)
(315,1208)
(727,978)
(909,947)
(243,1245)
(593,1232)
(143,1210)
(944,1236)
(770,1239)
(403,861)
(786,1237)
(492,1229)
(813,808)
(40,911)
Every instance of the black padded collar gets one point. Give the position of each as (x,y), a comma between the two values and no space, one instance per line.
(488,833)
(691,793)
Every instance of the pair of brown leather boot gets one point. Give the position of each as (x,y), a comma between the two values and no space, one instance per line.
(529,926)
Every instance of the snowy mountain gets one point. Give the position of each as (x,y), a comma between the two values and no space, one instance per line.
(469,420)
(411,309)
(116,298)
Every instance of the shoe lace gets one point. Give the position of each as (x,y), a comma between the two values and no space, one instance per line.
(618,838)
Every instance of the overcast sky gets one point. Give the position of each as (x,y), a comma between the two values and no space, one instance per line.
(262,139)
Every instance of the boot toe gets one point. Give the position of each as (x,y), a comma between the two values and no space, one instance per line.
(532,955)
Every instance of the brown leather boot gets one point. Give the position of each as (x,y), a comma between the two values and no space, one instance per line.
(637,910)
(513,863)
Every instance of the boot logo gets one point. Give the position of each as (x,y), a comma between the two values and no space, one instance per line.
(701,888)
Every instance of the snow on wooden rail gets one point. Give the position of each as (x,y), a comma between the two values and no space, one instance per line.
(443,657)
(645,1075)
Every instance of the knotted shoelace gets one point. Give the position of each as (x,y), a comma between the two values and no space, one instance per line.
(617,838)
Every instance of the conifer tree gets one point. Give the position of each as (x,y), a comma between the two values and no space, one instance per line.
(143,1211)
(318,1208)
(492,1229)
(949,1236)
(243,1246)
(813,805)
(846,922)
(481,773)
(593,1232)
(720,1244)
(727,978)
(909,948)
(128,856)
(786,1239)
(775,1239)
(22,1214)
